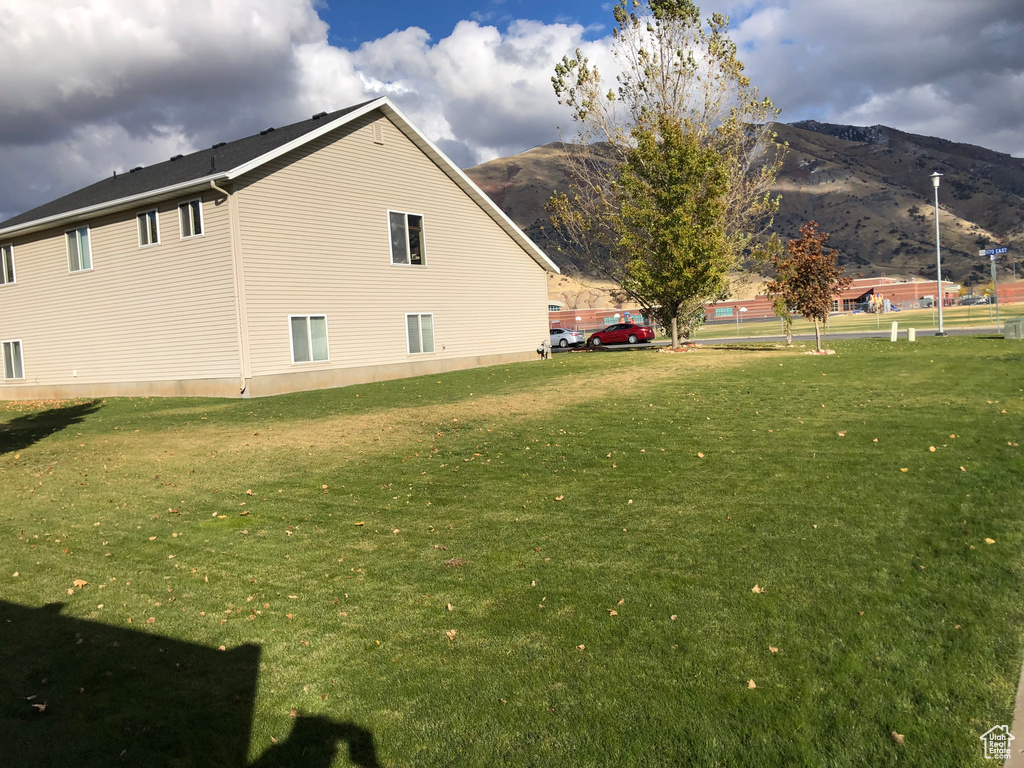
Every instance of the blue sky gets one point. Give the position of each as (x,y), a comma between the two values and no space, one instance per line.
(354,23)
(93,86)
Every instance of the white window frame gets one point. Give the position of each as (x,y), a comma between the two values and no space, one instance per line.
(7,264)
(185,208)
(309,338)
(419,324)
(408,250)
(144,219)
(21,359)
(67,244)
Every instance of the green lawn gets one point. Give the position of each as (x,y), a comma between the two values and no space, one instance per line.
(921,319)
(424,572)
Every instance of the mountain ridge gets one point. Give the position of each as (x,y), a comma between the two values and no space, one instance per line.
(868,186)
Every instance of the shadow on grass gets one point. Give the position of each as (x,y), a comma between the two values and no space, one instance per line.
(24,431)
(75,692)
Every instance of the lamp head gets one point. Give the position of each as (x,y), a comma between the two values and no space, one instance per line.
(935,179)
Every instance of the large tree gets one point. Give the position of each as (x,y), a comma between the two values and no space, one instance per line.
(808,279)
(672,165)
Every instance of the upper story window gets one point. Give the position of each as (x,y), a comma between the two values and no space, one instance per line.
(13,368)
(149,232)
(190,215)
(406,238)
(6,264)
(79,250)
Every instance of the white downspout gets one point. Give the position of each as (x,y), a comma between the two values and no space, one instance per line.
(239,280)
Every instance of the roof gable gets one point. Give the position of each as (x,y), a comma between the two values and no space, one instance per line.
(230,160)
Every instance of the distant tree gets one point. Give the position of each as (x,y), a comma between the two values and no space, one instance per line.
(672,169)
(782,310)
(808,278)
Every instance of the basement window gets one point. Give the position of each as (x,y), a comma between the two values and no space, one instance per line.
(420,333)
(309,338)
(13,368)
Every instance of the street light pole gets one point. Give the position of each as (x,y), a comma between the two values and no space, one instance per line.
(938,251)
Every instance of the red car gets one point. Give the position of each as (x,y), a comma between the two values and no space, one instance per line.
(621,333)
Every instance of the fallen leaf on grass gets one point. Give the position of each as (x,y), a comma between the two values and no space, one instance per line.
(39,707)
(450,607)
(931,449)
(293,713)
(151,620)
(451,633)
(773,649)
(757,590)
(904,469)
(841,434)
(751,684)
(559,498)
(80,583)
(455,562)
(700,455)
(673,617)
(963,469)
(623,600)
(360,523)
(248,491)
(612,613)
(990,541)
(875,440)
(580,647)
(897,738)
(288,615)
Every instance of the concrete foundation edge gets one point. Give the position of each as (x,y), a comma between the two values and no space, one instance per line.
(259,386)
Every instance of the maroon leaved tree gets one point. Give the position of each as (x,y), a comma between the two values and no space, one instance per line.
(807,279)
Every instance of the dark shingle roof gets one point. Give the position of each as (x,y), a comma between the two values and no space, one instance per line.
(197,165)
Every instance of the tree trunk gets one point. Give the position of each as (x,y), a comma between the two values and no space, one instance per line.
(789,331)
(817,335)
(675,333)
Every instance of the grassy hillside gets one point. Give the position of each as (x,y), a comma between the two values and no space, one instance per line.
(869,187)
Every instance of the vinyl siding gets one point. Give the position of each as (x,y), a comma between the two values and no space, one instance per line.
(315,240)
(164,312)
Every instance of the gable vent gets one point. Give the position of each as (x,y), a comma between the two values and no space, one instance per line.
(378,134)
(318,115)
(266,131)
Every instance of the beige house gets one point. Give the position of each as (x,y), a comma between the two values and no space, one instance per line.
(342,249)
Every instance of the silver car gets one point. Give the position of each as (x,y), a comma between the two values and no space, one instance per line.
(564,337)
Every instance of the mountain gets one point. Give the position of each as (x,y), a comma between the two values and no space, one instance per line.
(868,186)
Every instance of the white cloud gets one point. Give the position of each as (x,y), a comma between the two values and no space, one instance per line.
(94,85)
(939,67)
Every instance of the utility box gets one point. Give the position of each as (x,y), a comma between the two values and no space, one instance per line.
(1014,328)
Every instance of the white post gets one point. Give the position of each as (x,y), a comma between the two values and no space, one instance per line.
(938,251)
(894,333)
(911,334)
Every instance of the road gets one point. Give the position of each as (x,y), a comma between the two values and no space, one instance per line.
(879,334)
